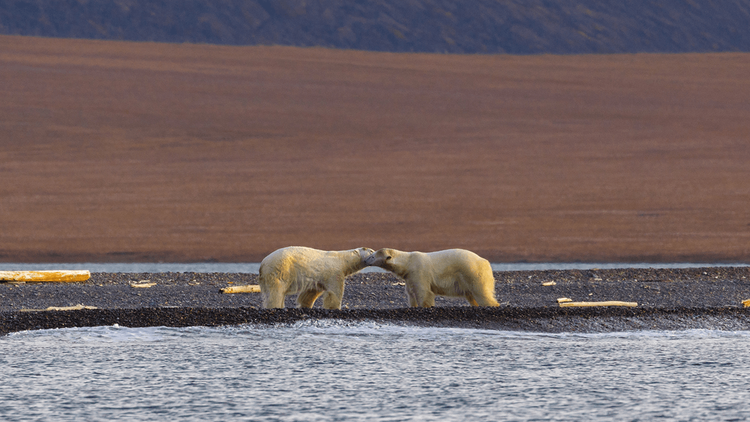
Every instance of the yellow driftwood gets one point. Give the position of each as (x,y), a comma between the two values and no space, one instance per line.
(608,303)
(564,299)
(143,284)
(45,276)
(61,308)
(746,303)
(549,283)
(252,288)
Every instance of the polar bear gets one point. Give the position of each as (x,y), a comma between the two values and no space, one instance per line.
(310,273)
(453,272)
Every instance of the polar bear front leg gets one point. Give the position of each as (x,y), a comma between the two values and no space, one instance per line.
(334,293)
(419,295)
(428,301)
(412,299)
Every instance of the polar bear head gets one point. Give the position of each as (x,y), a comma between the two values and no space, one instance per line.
(364,253)
(383,258)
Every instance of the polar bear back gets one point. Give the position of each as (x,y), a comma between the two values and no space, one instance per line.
(302,266)
(451,263)
(297,260)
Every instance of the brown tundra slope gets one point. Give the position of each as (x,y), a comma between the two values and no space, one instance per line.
(117,151)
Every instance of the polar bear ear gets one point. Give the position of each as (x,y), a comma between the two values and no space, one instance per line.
(388,257)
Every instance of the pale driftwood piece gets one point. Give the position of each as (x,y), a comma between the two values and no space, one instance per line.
(251,288)
(61,308)
(549,283)
(143,284)
(63,276)
(607,303)
(564,299)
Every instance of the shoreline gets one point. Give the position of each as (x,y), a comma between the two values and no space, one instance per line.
(546,320)
(668,299)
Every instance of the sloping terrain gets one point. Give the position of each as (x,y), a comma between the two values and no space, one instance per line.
(117,151)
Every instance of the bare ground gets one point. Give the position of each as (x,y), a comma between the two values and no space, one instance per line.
(127,152)
(709,298)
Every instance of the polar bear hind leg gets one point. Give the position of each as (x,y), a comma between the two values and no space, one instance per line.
(471,300)
(486,300)
(484,292)
(273,293)
(334,294)
(478,289)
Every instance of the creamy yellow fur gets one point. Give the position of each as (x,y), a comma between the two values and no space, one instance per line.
(453,272)
(309,273)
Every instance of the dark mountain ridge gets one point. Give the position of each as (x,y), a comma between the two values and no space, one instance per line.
(483,26)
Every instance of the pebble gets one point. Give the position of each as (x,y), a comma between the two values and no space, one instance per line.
(667,299)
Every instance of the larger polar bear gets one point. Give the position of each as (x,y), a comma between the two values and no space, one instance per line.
(453,272)
(310,273)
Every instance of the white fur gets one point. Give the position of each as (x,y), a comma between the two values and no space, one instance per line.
(453,272)
(310,273)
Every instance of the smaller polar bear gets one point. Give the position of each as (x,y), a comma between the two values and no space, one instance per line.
(310,273)
(453,272)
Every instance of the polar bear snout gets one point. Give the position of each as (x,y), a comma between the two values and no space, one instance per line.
(378,258)
(365,254)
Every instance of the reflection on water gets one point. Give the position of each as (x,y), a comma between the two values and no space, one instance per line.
(333,370)
(252,267)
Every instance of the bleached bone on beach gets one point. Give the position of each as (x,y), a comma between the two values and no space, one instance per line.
(46,276)
(607,303)
(251,288)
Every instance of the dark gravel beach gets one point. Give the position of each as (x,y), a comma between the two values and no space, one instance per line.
(667,299)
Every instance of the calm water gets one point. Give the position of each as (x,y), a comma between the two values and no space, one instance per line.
(329,370)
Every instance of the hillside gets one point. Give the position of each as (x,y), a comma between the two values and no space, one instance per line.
(513,26)
(146,152)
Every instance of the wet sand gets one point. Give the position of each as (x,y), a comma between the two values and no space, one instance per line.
(709,298)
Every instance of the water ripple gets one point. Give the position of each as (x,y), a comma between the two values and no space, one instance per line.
(337,370)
